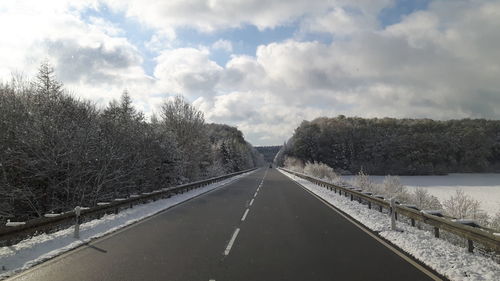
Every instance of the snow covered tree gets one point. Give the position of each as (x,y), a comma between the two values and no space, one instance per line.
(187,125)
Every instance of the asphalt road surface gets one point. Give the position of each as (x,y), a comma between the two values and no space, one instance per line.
(261,227)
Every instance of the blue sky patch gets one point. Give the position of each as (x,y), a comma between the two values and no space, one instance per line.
(399,9)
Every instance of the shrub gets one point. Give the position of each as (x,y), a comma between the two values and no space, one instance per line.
(322,171)
(294,164)
(495,221)
(463,206)
(364,182)
(424,201)
(392,187)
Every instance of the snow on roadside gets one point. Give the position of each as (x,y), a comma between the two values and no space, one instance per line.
(449,260)
(37,249)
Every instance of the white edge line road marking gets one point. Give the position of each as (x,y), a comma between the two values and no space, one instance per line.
(251,202)
(390,247)
(245,215)
(231,242)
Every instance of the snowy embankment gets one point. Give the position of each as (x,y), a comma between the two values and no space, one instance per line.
(37,249)
(449,260)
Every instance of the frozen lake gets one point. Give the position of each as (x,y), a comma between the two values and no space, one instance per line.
(483,187)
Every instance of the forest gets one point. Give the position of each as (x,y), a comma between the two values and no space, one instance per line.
(381,146)
(269,152)
(58,151)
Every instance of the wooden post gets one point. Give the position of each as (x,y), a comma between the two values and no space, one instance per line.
(470,245)
(436,232)
(412,222)
(76,233)
(352,197)
(369,205)
(393,214)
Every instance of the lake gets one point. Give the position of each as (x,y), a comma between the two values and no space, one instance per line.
(483,187)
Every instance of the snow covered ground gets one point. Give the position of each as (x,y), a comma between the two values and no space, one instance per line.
(483,187)
(451,261)
(37,249)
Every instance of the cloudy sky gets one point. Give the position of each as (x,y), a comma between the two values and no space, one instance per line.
(266,65)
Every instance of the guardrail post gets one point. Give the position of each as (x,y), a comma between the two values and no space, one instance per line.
(436,232)
(412,221)
(393,213)
(76,234)
(352,197)
(369,205)
(470,245)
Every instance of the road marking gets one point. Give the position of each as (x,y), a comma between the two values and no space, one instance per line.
(245,215)
(251,202)
(255,195)
(231,242)
(387,245)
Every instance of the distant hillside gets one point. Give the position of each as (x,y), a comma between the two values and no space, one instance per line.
(268,152)
(399,146)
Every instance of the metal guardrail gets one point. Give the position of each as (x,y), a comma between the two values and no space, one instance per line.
(473,234)
(10,235)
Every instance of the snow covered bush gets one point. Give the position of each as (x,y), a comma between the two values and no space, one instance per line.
(425,201)
(364,182)
(495,221)
(294,164)
(463,206)
(321,171)
(394,188)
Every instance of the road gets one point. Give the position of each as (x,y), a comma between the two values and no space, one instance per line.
(277,231)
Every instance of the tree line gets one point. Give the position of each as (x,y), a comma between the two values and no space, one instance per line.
(269,152)
(58,151)
(381,146)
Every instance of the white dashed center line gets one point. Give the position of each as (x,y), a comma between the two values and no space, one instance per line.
(245,215)
(251,202)
(231,242)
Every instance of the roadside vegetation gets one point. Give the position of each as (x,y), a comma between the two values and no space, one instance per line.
(58,151)
(458,205)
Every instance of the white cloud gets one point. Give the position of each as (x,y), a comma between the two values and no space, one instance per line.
(338,21)
(215,14)
(224,45)
(187,71)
